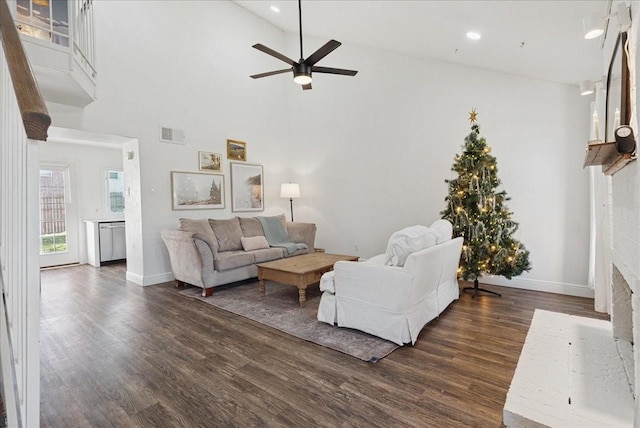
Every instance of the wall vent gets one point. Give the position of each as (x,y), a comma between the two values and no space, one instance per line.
(171,135)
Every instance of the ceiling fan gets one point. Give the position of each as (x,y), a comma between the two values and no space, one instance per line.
(303,69)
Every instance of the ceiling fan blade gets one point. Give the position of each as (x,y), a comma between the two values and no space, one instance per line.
(307,86)
(330,70)
(325,50)
(273,53)
(270,73)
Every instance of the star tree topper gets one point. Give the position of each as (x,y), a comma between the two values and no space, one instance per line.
(473,116)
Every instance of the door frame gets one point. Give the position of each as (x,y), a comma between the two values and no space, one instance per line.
(70,256)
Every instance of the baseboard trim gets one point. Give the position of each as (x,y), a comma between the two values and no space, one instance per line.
(537,285)
(135,278)
(149,280)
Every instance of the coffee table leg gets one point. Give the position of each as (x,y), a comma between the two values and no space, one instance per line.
(302,297)
(261,286)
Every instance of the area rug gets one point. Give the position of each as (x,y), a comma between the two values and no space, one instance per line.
(279,308)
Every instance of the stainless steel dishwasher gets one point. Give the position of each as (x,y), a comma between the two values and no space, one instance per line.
(112,241)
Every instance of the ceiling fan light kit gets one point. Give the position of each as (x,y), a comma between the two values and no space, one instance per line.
(303,69)
(302,74)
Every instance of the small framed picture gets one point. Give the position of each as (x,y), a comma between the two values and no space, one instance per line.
(236,150)
(208,161)
(247,187)
(196,190)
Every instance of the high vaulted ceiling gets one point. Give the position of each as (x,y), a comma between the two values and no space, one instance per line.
(541,39)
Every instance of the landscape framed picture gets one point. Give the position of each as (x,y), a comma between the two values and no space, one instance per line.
(208,161)
(236,150)
(247,187)
(196,190)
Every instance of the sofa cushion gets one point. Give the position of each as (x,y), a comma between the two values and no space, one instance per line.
(250,226)
(233,259)
(228,233)
(201,230)
(254,243)
(443,230)
(268,254)
(407,241)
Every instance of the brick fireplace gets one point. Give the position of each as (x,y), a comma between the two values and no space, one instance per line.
(622,322)
(625,295)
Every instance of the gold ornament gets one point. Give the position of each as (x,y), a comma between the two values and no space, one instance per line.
(473,116)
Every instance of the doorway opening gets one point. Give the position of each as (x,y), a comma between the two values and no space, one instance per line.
(58,219)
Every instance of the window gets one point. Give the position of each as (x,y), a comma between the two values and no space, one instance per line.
(115,192)
(45,20)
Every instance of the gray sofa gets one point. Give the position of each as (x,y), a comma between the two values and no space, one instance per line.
(209,252)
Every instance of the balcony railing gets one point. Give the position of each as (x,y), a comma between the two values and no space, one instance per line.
(83,35)
(66,24)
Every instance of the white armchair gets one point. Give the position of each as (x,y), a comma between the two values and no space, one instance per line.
(392,302)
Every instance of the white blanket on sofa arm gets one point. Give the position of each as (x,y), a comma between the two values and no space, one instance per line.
(327,282)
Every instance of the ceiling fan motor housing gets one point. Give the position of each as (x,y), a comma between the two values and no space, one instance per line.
(301,69)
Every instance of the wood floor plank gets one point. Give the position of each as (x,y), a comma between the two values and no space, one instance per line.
(116,354)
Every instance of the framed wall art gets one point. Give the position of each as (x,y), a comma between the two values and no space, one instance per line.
(196,190)
(247,187)
(236,150)
(208,161)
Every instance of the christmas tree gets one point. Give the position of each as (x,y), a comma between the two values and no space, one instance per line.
(479,214)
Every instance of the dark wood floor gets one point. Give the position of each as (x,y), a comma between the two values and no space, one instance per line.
(116,354)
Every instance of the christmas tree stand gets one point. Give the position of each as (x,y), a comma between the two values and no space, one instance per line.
(475,289)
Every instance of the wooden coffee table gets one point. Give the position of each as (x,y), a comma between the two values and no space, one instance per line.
(299,271)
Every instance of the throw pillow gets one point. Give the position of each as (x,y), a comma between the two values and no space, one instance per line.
(254,243)
(251,226)
(443,230)
(202,230)
(407,241)
(228,233)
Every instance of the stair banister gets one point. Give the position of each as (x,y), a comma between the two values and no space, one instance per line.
(33,110)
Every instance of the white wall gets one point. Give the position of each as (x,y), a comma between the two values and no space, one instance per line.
(625,191)
(87,165)
(186,68)
(371,152)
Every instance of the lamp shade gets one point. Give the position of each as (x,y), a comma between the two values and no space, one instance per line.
(586,87)
(593,26)
(290,190)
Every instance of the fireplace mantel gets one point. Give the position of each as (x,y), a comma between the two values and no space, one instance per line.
(607,155)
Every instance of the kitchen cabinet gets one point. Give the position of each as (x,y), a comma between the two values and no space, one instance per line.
(106,241)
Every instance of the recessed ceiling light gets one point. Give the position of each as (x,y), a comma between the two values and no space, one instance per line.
(473,35)
(275,9)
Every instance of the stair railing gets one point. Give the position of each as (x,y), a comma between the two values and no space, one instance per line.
(24,121)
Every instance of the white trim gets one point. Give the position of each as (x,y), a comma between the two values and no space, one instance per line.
(135,278)
(31,358)
(538,285)
(149,280)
